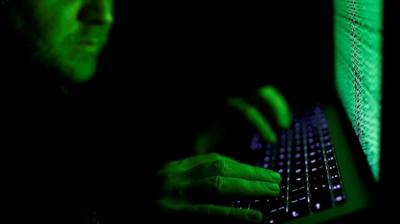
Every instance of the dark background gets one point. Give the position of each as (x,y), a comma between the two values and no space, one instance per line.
(172,64)
(223,48)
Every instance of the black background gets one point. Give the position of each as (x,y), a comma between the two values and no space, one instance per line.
(223,47)
(173,63)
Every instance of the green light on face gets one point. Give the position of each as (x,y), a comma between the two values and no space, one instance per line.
(358,70)
(66,36)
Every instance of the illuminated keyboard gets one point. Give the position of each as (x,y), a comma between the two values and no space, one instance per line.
(305,158)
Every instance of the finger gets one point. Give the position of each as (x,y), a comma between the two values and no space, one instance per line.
(226,167)
(230,188)
(209,212)
(278,104)
(188,163)
(255,118)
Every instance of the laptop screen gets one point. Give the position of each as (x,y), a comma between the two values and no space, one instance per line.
(358,70)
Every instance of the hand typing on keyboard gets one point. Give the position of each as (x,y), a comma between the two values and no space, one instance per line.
(274,102)
(265,111)
(198,188)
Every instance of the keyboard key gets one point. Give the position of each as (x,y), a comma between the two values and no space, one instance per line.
(298,181)
(298,193)
(320,200)
(277,216)
(298,208)
(338,195)
(242,204)
(277,202)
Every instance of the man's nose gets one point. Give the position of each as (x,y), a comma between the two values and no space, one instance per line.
(97,12)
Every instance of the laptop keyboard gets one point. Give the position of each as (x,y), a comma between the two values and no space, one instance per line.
(305,158)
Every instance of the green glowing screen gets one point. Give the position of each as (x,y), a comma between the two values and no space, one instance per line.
(358,70)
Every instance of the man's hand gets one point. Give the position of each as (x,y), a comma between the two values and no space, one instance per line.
(275,103)
(197,187)
(264,110)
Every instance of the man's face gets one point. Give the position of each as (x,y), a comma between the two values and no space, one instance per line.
(66,35)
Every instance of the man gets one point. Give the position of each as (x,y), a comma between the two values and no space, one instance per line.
(52,46)
(50,49)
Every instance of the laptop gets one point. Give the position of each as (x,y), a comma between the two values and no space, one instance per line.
(329,159)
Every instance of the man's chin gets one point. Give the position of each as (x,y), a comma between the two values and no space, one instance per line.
(80,72)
